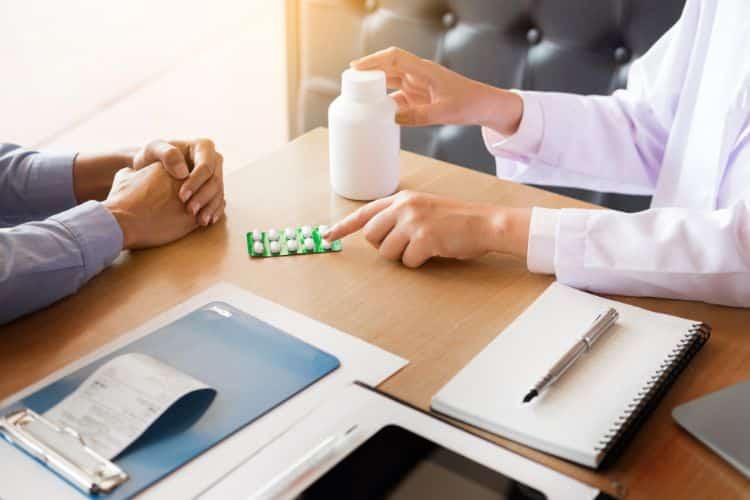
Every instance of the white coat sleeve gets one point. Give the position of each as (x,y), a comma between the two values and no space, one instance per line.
(609,143)
(663,252)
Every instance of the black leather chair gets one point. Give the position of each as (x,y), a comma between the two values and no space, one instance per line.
(580,46)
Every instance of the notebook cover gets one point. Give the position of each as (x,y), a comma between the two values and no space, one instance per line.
(253,366)
(471,398)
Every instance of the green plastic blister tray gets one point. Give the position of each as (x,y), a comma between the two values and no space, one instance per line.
(284,250)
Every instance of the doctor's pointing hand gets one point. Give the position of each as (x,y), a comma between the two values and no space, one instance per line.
(679,133)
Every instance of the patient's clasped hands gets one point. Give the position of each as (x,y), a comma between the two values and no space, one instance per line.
(170,190)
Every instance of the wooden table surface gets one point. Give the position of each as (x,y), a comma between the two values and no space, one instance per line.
(438,316)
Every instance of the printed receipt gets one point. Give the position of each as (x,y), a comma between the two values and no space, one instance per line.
(120,400)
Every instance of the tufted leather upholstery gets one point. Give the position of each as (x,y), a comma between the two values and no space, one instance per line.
(581,46)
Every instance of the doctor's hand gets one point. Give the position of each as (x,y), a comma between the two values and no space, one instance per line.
(430,94)
(413,227)
(199,166)
(145,204)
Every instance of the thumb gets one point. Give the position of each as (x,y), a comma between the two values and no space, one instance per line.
(122,174)
(426,114)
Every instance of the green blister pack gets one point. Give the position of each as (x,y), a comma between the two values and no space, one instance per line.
(290,241)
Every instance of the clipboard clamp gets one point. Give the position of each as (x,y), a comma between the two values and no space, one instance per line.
(62,450)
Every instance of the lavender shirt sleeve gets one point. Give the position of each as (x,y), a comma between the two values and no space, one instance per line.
(33,186)
(44,259)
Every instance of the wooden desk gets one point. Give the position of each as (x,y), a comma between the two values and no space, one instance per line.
(438,317)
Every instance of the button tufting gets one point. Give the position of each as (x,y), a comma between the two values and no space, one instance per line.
(449,20)
(371,5)
(622,55)
(534,36)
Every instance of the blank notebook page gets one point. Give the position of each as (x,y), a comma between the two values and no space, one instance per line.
(579,410)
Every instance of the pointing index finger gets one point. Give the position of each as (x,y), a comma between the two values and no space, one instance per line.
(357,219)
(394,59)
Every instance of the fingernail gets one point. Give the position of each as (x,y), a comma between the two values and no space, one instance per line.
(194,208)
(215,219)
(185,195)
(206,220)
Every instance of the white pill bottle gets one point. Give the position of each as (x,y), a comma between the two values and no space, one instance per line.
(364,139)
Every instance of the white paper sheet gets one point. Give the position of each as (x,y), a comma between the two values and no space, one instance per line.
(24,478)
(371,412)
(120,400)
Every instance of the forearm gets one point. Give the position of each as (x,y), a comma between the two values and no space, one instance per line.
(93,173)
(33,185)
(42,262)
(665,252)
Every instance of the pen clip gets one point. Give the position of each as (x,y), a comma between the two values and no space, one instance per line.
(601,324)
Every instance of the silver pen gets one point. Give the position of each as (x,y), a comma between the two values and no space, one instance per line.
(601,324)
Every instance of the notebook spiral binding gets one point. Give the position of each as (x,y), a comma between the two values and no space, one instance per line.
(647,398)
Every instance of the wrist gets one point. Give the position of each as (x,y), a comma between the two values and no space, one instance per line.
(499,110)
(509,230)
(93,174)
(126,222)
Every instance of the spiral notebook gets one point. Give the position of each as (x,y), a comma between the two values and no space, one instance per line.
(596,406)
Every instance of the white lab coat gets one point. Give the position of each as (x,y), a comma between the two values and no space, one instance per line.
(680,132)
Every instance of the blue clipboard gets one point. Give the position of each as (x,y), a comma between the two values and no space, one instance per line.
(253,366)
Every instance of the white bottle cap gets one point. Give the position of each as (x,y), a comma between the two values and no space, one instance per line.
(363,85)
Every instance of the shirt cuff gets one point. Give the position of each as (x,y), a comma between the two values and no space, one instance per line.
(97,233)
(540,255)
(527,139)
(52,181)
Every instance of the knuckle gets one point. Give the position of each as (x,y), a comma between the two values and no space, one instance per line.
(413,201)
(420,235)
(396,54)
(123,172)
(205,142)
(205,167)
(405,196)
(412,218)
(369,234)
(360,215)
(171,155)
(139,159)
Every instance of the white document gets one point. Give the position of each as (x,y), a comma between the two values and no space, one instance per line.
(24,478)
(370,412)
(120,400)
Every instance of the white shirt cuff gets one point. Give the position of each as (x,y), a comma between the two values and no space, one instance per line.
(527,139)
(540,255)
